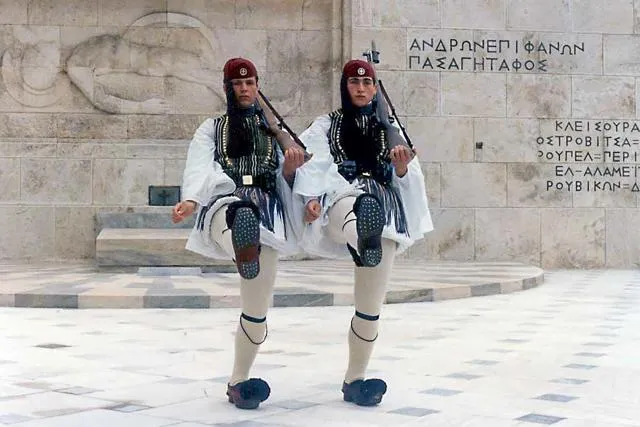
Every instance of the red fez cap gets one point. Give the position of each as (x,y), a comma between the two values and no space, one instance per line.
(239,68)
(358,68)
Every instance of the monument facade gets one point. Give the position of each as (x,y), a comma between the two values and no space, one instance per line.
(523,112)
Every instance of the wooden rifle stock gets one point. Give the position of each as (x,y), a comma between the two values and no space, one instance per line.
(285,140)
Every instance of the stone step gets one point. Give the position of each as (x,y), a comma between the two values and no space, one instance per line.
(149,247)
(298,284)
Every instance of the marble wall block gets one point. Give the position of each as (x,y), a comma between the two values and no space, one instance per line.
(473,13)
(508,234)
(28,125)
(451,239)
(285,92)
(125,182)
(527,186)
(194,98)
(604,97)
(69,12)
(603,16)
(75,232)
(251,44)
(283,47)
(316,16)
(421,94)
(173,171)
(300,52)
(28,147)
(162,127)
(166,150)
(539,15)
(218,14)
(124,13)
(89,149)
(314,95)
(606,197)
(315,54)
(283,14)
(431,172)
(621,55)
(406,13)
(442,139)
(474,185)
(538,96)
(478,94)
(9,179)
(506,140)
(362,13)
(572,238)
(87,126)
(26,232)
(59,181)
(13,12)
(623,235)
(588,61)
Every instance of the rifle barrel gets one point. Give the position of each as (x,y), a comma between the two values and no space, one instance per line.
(279,117)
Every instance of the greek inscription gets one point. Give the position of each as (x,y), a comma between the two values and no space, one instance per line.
(591,155)
(494,55)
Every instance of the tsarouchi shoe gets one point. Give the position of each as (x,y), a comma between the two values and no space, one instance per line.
(248,394)
(364,392)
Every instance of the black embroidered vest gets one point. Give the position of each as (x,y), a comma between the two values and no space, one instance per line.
(257,168)
(348,166)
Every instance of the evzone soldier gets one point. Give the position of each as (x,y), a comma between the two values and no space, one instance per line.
(238,180)
(362,196)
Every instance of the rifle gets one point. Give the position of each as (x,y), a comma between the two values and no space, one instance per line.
(384,105)
(284,140)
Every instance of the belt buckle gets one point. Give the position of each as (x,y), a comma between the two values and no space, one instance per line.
(247,180)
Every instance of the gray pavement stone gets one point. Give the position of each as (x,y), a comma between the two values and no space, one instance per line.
(447,363)
(299,283)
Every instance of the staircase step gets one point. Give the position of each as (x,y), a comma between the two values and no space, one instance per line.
(146,247)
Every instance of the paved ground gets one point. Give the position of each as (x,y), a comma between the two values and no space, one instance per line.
(299,283)
(566,353)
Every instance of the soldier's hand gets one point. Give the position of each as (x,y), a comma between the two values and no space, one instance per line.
(312,211)
(400,158)
(182,210)
(293,159)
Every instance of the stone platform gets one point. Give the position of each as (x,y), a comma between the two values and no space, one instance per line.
(299,283)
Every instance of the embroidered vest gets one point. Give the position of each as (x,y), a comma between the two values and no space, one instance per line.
(257,168)
(348,167)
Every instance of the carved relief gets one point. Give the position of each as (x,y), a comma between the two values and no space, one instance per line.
(99,65)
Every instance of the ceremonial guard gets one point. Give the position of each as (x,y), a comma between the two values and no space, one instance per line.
(361,197)
(238,178)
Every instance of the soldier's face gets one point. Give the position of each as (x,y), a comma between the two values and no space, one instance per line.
(361,90)
(246,91)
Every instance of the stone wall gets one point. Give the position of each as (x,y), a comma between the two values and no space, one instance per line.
(511,105)
(99,100)
(523,112)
